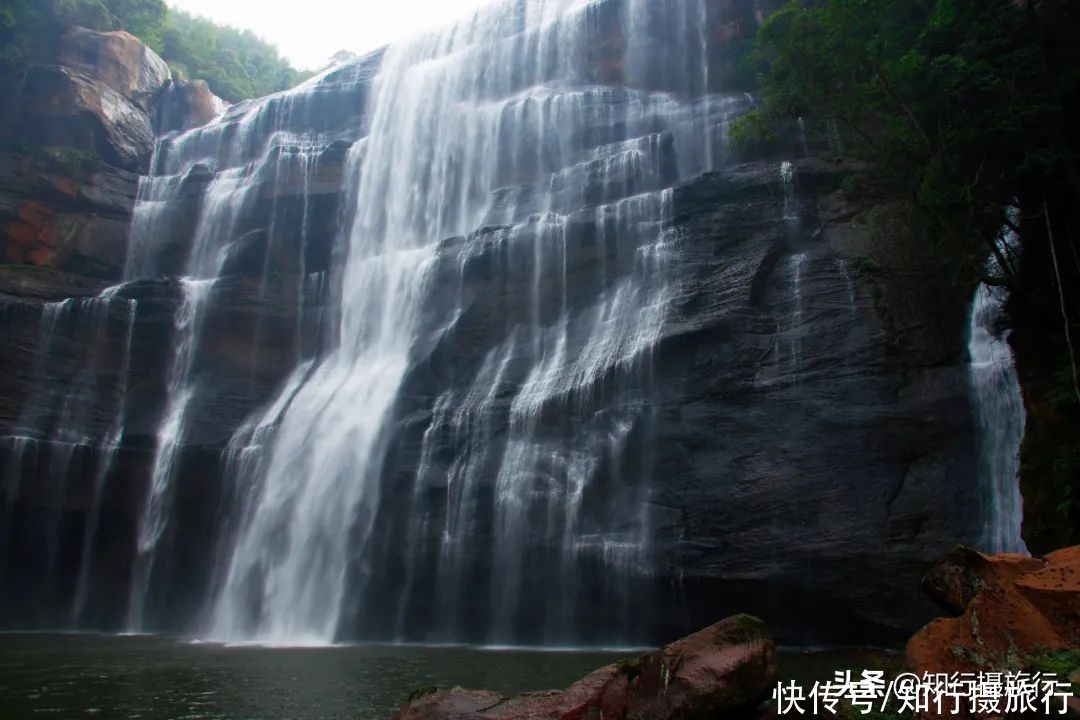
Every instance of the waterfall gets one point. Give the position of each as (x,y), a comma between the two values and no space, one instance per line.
(791,200)
(798,304)
(195,209)
(109,449)
(1000,415)
(439,421)
(490,131)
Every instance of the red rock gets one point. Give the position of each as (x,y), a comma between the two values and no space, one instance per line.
(957,578)
(448,704)
(1022,607)
(726,667)
(712,671)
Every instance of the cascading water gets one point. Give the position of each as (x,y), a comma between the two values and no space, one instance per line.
(798,303)
(787,179)
(223,172)
(1000,414)
(110,448)
(65,434)
(493,130)
(169,440)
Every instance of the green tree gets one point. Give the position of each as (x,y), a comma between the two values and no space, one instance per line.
(236,64)
(950,99)
(93,14)
(142,18)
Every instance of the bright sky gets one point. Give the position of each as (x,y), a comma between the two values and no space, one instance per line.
(308,32)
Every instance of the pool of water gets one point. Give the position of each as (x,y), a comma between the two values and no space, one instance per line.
(73,677)
(159,678)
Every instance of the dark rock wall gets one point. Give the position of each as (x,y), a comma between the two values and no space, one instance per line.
(816,433)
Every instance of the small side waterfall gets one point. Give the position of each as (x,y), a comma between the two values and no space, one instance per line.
(1000,414)
(169,440)
(798,306)
(791,200)
(106,462)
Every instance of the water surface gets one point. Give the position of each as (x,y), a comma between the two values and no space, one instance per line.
(158,678)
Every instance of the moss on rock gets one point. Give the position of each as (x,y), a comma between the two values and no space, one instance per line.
(741,628)
(423,693)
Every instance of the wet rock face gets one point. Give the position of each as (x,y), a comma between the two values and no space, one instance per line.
(65,108)
(816,431)
(725,669)
(52,219)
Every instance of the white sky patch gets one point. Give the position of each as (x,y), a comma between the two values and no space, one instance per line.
(308,32)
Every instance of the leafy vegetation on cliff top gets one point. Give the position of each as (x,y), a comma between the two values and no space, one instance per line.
(236,64)
(967,111)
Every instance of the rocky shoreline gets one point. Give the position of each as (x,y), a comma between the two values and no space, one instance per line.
(1009,613)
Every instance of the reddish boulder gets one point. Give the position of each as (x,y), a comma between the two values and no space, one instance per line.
(727,667)
(958,577)
(448,704)
(1020,607)
(723,667)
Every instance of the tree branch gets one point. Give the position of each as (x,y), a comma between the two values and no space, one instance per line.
(1061,298)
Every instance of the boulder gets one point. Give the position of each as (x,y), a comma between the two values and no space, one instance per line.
(66,107)
(725,668)
(187,105)
(958,577)
(1020,608)
(118,60)
(95,98)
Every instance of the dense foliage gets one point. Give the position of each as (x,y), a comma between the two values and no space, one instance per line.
(966,109)
(236,64)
